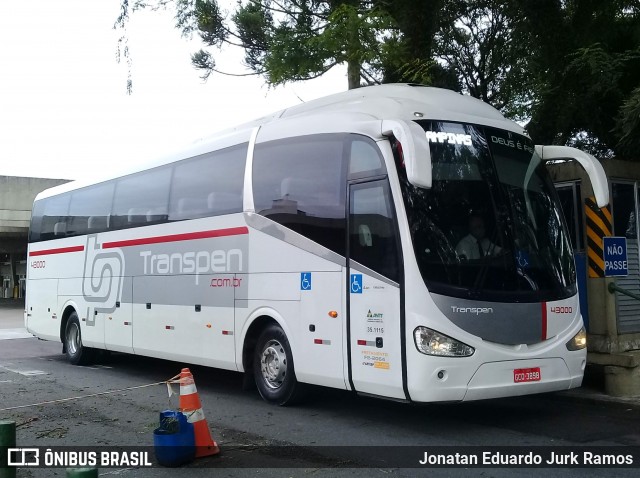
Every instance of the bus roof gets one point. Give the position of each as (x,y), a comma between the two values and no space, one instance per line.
(389,101)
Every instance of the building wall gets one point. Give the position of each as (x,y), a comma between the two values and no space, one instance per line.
(16,200)
(606,335)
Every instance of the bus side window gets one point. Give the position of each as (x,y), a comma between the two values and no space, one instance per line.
(300,183)
(94,224)
(365,159)
(223,202)
(49,219)
(372,229)
(136,216)
(208,185)
(60,229)
(90,203)
(141,198)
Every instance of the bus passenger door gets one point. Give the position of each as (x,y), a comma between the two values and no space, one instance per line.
(373,290)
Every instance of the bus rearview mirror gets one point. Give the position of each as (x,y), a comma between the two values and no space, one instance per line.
(591,165)
(415,149)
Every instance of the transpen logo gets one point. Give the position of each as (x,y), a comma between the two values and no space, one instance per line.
(102,281)
(472,310)
(200,262)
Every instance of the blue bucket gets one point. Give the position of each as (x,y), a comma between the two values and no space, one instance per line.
(174,441)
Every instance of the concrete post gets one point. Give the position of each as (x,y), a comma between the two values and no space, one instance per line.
(7,440)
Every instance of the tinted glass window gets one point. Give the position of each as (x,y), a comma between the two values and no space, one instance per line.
(50,218)
(300,183)
(365,159)
(141,199)
(209,185)
(569,210)
(624,212)
(372,231)
(490,228)
(35,228)
(90,209)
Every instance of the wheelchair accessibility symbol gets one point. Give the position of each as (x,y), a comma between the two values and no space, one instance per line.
(305,281)
(356,283)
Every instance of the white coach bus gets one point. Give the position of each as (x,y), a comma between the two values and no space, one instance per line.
(399,241)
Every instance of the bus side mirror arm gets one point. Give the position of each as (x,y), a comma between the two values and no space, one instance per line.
(591,165)
(415,150)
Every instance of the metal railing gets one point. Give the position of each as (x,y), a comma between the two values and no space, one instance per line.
(613,288)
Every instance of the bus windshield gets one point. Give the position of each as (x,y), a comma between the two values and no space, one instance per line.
(490,228)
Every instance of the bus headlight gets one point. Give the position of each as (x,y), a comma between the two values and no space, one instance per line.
(430,342)
(579,341)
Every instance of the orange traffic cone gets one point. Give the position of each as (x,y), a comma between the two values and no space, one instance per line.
(190,405)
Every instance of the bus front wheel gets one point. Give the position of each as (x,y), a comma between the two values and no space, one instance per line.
(273,368)
(77,354)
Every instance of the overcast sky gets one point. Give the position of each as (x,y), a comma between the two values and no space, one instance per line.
(64,108)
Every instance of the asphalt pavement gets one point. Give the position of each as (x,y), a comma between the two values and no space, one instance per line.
(12,327)
(12,320)
(261,440)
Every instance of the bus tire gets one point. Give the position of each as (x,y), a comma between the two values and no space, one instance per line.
(77,354)
(273,368)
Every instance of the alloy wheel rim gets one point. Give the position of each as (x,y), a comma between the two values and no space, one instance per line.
(73,339)
(273,364)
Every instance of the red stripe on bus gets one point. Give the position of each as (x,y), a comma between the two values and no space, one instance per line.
(60,250)
(544,321)
(188,236)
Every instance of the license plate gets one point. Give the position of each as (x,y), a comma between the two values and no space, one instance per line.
(527,375)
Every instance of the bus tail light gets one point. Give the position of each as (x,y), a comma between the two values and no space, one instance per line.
(430,342)
(579,341)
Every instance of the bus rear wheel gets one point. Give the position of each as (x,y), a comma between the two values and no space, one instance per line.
(273,368)
(77,354)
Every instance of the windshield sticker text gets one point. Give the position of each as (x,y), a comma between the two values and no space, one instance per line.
(451,138)
(512,144)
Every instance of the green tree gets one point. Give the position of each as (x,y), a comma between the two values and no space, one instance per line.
(302,40)
(477,40)
(585,65)
(628,126)
(294,40)
(569,68)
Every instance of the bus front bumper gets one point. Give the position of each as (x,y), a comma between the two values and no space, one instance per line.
(497,379)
